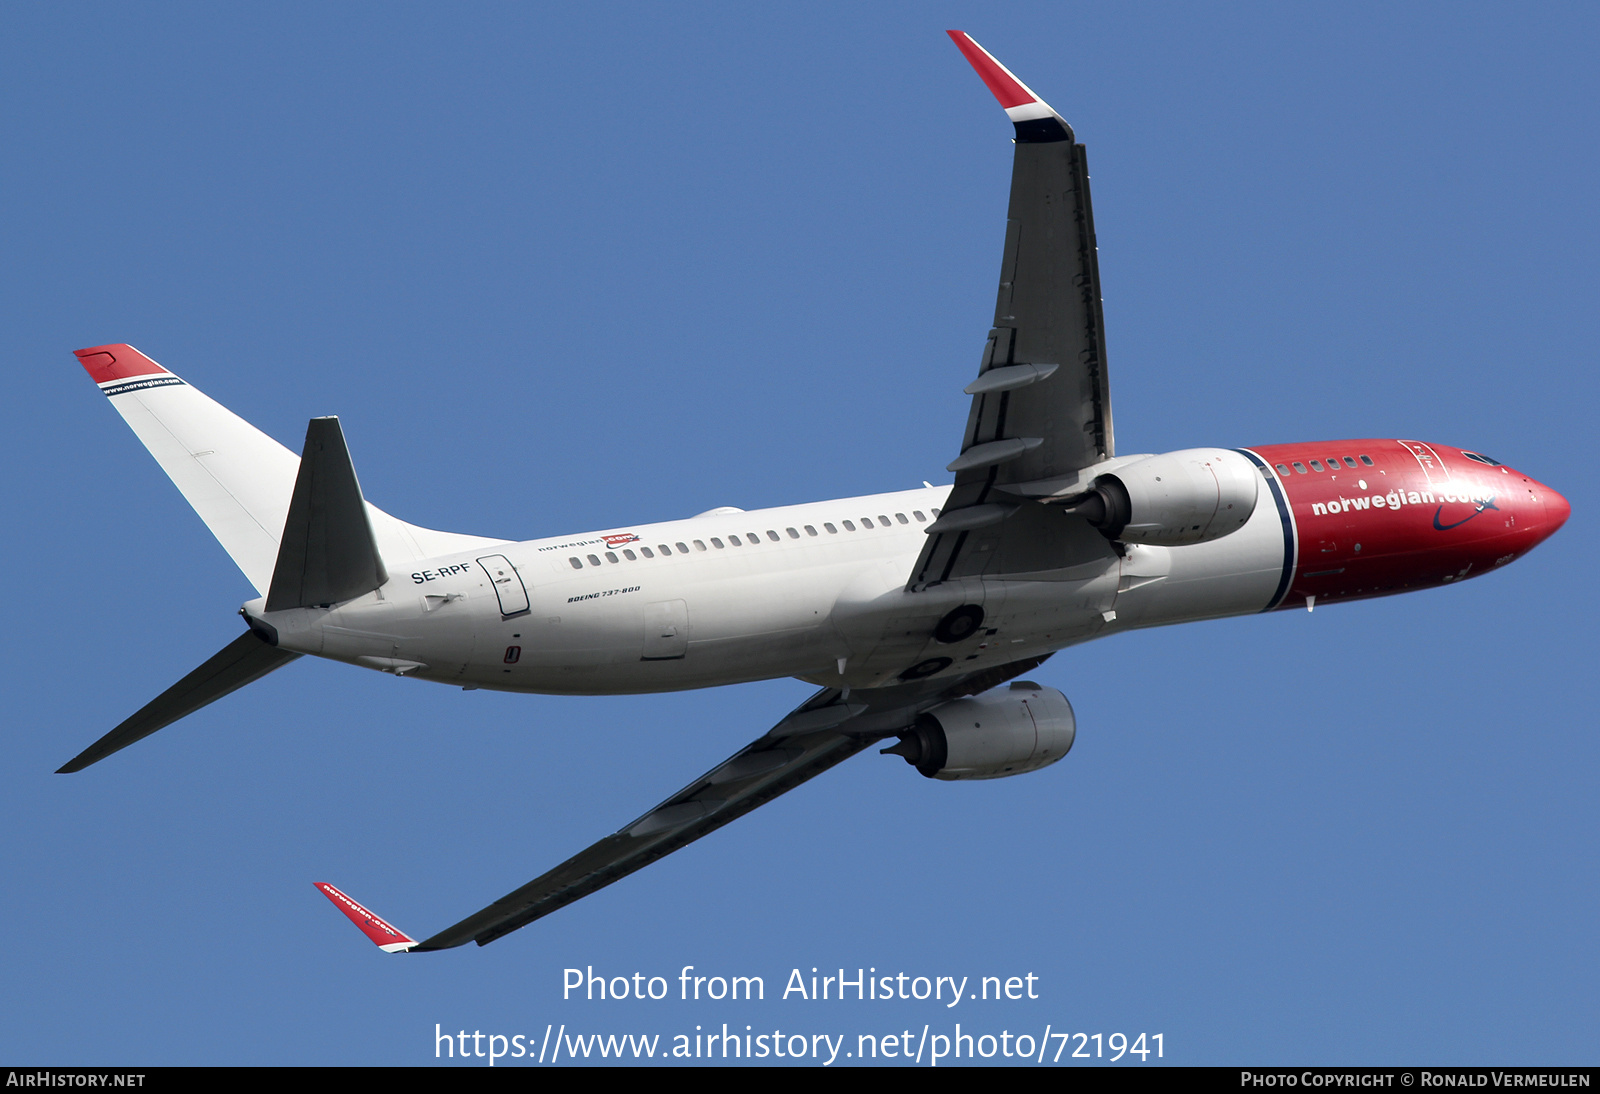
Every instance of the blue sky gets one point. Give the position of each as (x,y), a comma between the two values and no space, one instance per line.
(561,269)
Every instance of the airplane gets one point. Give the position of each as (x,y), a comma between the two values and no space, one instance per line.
(917,614)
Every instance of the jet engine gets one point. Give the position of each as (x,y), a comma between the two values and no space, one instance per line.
(1191,496)
(989,736)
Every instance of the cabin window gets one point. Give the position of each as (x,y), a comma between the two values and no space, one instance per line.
(1283,468)
(1368,461)
(611,556)
(1316,465)
(1350,462)
(794,533)
(1300,467)
(918,514)
(733,541)
(848,527)
(593,561)
(1333,463)
(664,549)
(832,531)
(683,550)
(810,531)
(752,538)
(577,563)
(866,522)
(773,536)
(936,514)
(700,546)
(901,517)
(883,520)
(627,553)
(647,552)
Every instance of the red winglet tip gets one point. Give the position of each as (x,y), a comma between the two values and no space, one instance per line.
(384,935)
(115,362)
(1010,91)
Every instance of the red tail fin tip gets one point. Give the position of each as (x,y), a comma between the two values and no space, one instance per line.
(115,362)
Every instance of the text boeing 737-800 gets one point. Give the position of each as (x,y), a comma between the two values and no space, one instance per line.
(916,613)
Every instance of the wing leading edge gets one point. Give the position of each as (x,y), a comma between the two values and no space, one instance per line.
(1041,405)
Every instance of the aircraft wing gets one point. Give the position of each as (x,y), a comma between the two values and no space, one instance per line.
(826,729)
(1041,405)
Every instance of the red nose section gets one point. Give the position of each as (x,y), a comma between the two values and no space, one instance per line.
(1556,510)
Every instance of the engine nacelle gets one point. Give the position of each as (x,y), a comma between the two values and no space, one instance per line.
(1002,732)
(1191,496)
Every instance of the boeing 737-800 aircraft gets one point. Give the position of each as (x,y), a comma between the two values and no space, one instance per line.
(917,614)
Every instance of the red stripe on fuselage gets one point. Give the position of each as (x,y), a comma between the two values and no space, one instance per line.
(117,362)
(1418,515)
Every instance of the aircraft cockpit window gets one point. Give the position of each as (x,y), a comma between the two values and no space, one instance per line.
(1316,465)
(1481,458)
(577,563)
(593,561)
(611,556)
(1350,462)
(1368,461)
(832,531)
(848,527)
(1300,467)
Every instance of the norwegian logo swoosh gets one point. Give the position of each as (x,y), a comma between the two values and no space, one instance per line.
(1481,506)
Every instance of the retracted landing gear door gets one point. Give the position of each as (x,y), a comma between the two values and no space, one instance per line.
(507,584)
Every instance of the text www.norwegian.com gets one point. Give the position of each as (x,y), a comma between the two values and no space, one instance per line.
(907,1046)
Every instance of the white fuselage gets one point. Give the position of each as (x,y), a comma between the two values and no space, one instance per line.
(815,591)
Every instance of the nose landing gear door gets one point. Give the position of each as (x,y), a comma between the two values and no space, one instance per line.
(507,584)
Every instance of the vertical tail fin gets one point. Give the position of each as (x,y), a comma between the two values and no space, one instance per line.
(236,477)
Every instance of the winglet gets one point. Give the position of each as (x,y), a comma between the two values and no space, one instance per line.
(1036,122)
(386,937)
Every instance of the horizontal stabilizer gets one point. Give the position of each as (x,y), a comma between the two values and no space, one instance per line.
(246,659)
(387,938)
(328,553)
